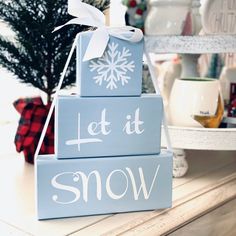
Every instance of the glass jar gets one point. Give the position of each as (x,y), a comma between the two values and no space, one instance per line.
(167,17)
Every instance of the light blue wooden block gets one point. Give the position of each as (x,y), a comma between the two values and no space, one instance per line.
(107,126)
(78,187)
(117,73)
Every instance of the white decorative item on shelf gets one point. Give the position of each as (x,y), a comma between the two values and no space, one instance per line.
(189,65)
(196,17)
(219,16)
(227,77)
(167,73)
(180,165)
(196,102)
(167,17)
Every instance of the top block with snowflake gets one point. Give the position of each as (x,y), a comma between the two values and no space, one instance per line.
(117,73)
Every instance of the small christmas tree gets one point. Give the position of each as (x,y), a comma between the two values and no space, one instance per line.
(37,56)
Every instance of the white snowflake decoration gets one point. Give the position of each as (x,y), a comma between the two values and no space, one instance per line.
(112,67)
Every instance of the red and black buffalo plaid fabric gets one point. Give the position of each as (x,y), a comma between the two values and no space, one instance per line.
(33,116)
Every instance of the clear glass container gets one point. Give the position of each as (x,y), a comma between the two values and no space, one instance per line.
(167,17)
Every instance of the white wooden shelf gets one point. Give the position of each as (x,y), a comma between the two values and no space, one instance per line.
(202,138)
(194,138)
(191,44)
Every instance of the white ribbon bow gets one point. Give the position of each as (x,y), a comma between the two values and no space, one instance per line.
(91,16)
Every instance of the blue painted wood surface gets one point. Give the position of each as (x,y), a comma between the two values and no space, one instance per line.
(90,186)
(117,73)
(107,126)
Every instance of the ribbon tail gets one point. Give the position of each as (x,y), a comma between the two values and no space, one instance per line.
(79,21)
(81,9)
(85,15)
(97,44)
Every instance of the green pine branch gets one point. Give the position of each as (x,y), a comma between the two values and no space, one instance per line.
(37,56)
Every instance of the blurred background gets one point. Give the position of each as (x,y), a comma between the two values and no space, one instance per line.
(11,89)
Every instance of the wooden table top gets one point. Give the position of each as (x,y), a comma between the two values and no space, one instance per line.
(210,182)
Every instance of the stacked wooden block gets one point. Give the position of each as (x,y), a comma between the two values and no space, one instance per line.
(107,141)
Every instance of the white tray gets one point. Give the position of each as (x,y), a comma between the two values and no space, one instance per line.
(201,138)
(191,44)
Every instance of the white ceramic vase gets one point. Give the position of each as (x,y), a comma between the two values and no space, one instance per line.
(167,17)
(195,100)
(196,17)
(219,16)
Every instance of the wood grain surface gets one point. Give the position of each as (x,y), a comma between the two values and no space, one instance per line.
(221,221)
(210,182)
